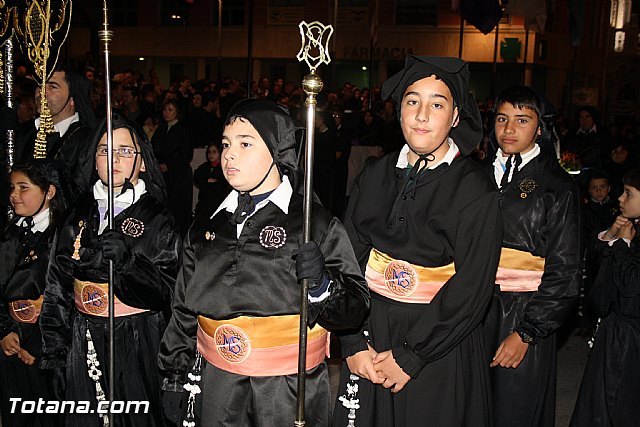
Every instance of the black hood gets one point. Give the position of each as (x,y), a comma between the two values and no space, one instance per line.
(454,73)
(277,129)
(152,176)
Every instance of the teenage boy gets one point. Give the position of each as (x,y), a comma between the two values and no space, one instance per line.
(238,299)
(413,219)
(539,274)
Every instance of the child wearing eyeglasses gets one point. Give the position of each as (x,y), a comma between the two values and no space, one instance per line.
(144,248)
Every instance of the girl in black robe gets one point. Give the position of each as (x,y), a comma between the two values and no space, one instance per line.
(24,249)
(610,390)
(144,247)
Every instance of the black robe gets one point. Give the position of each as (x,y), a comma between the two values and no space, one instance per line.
(541,215)
(72,149)
(450,216)
(610,390)
(211,194)
(25,256)
(229,277)
(145,281)
(173,147)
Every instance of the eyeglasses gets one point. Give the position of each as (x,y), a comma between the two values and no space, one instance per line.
(126,152)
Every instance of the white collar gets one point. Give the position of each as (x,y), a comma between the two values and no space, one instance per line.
(122,200)
(62,126)
(403,159)
(526,158)
(593,129)
(280,197)
(40,221)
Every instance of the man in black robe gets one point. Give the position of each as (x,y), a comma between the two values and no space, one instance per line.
(73,120)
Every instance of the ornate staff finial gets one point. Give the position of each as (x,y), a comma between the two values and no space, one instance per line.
(315,44)
(43,35)
(314,51)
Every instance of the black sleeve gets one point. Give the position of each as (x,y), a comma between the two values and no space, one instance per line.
(7,324)
(147,280)
(201,175)
(57,307)
(352,342)
(179,341)
(458,308)
(347,305)
(558,292)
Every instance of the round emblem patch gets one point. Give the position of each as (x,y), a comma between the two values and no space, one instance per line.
(232,343)
(94,299)
(132,227)
(24,310)
(272,237)
(401,278)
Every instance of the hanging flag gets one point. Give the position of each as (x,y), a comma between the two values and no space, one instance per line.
(533,11)
(482,14)
(576,21)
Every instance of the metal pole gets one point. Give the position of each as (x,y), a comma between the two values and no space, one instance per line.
(8,80)
(219,79)
(524,62)
(494,70)
(461,37)
(250,50)
(312,85)
(106,35)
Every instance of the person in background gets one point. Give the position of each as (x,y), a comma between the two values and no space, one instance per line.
(610,389)
(211,183)
(172,146)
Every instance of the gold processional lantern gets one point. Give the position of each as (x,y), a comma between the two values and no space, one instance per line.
(42,26)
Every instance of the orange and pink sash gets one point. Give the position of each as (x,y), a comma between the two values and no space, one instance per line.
(405,282)
(259,346)
(93,299)
(519,271)
(26,310)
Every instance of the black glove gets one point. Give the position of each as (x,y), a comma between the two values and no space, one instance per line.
(114,248)
(310,265)
(172,406)
(91,257)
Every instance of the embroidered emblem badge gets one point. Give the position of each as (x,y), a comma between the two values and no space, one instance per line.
(401,278)
(232,343)
(209,235)
(24,310)
(272,237)
(132,227)
(527,186)
(94,299)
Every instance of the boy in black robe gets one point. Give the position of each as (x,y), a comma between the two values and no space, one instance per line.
(425,226)
(237,301)
(538,278)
